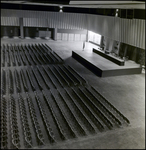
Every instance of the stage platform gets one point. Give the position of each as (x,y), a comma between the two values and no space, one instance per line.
(103,67)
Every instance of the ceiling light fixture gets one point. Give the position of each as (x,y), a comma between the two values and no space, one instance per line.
(117,10)
(60,8)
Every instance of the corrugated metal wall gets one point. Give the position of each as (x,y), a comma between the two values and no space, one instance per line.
(130,31)
(9,21)
(47,19)
(35,22)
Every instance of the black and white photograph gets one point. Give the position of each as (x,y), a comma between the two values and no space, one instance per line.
(72,74)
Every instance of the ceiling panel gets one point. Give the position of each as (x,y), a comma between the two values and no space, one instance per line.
(85,4)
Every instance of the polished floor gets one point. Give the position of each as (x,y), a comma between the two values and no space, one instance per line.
(126,93)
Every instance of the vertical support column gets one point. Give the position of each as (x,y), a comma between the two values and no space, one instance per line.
(21,28)
(55,34)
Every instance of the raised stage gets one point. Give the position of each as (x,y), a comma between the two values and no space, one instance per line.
(103,67)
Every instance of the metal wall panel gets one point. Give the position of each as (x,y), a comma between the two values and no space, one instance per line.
(135,31)
(83,37)
(130,31)
(143,33)
(116,31)
(122,30)
(9,21)
(71,37)
(77,37)
(55,19)
(125,30)
(34,22)
(58,36)
(138,33)
(64,36)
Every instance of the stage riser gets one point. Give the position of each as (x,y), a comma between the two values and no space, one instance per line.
(121,72)
(87,64)
(105,73)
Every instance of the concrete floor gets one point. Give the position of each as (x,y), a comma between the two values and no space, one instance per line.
(126,93)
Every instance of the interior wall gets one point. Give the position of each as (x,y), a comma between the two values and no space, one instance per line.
(71,34)
(44,34)
(108,44)
(71,37)
(47,19)
(10,31)
(94,38)
(30,32)
(129,31)
(6,20)
(37,32)
(132,53)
